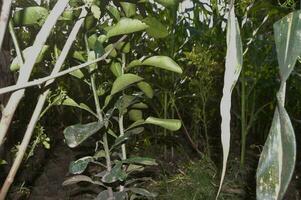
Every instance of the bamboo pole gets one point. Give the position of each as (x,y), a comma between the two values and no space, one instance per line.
(4,17)
(26,69)
(38,109)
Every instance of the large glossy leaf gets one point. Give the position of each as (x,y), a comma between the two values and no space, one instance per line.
(105,195)
(124,81)
(126,26)
(232,72)
(76,134)
(156,29)
(26,53)
(288,42)
(80,165)
(30,16)
(170,124)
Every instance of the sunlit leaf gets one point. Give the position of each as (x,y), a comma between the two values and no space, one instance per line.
(30,16)
(156,29)
(113,12)
(124,81)
(26,53)
(232,72)
(146,89)
(76,134)
(163,62)
(116,69)
(170,124)
(128,8)
(126,26)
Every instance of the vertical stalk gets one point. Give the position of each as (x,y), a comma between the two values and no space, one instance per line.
(243,120)
(165,117)
(120,120)
(101,120)
(206,126)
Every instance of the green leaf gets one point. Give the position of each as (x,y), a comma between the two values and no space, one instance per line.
(156,29)
(96,11)
(91,57)
(80,165)
(163,62)
(288,42)
(27,53)
(76,134)
(116,69)
(135,115)
(76,179)
(232,72)
(146,89)
(113,12)
(140,106)
(277,160)
(126,26)
(113,52)
(134,63)
(30,16)
(140,161)
(124,81)
(124,102)
(135,124)
(170,124)
(116,174)
(67,101)
(143,192)
(128,8)
(168,3)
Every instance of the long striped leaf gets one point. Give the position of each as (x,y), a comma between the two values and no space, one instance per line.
(232,71)
(277,160)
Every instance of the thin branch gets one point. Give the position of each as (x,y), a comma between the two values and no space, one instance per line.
(40,81)
(4,17)
(26,69)
(38,109)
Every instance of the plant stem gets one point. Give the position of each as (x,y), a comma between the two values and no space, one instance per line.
(120,121)
(165,117)
(101,120)
(243,120)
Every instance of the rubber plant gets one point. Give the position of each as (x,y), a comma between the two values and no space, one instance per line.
(277,160)
(115,106)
